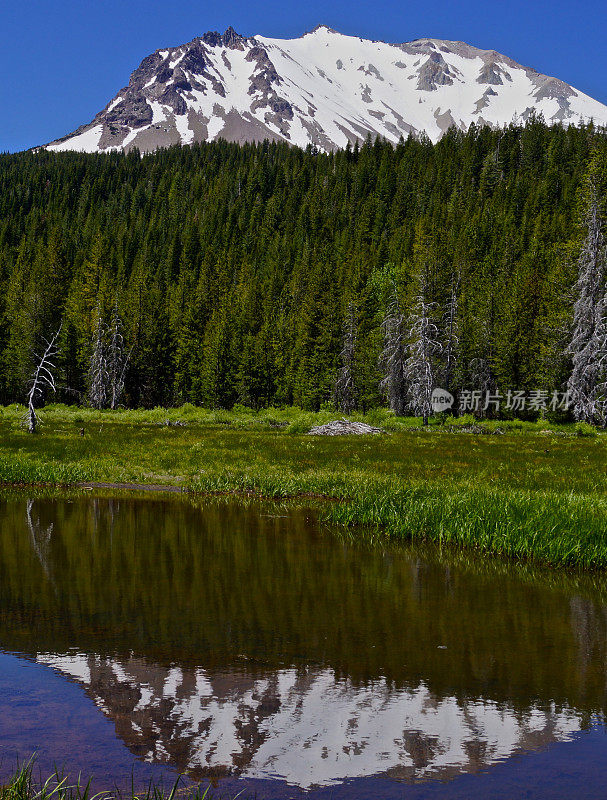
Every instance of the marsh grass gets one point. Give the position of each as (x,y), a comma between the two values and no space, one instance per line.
(24,786)
(561,530)
(521,489)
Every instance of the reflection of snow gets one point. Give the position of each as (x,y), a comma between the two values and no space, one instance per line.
(76,665)
(307,727)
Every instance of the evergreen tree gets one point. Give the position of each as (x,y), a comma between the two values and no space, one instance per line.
(233,265)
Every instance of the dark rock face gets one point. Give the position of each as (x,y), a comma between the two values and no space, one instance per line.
(164,75)
(435,72)
(148,66)
(181,82)
(212,38)
(194,60)
(282,107)
(483,102)
(262,83)
(490,74)
(132,113)
(267,69)
(554,88)
(171,97)
(230,39)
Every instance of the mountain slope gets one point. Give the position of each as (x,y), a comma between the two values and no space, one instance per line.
(324,89)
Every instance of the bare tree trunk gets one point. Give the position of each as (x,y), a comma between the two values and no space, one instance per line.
(451,334)
(424,348)
(42,379)
(394,356)
(108,364)
(98,372)
(345,384)
(588,342)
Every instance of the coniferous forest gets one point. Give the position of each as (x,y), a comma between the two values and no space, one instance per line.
(265,275)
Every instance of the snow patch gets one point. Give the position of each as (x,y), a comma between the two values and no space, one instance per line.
(86,142)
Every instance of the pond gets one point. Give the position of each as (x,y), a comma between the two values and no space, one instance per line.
(249,646)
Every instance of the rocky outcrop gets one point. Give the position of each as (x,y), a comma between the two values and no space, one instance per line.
(491,73)
(130,113)
(435,72)
(343,427)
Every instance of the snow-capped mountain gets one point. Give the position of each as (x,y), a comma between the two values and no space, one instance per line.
(308,727)
(324,89)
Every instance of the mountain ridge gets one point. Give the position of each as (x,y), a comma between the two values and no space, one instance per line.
(324,89)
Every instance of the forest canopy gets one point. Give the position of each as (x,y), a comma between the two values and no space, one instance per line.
(256,274)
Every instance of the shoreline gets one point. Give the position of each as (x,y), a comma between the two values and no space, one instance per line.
(525,495)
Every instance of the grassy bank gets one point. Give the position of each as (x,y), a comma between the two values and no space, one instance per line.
(25,786)
(525,490)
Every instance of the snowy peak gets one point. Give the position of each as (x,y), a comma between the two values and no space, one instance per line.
(324,89)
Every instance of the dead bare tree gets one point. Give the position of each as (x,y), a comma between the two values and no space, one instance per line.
(98,372)
(42,380)
(345,384)
(109,362)
(394,356)
(424,349)
(587,347)
(451,335)
(40,538)
(118,360)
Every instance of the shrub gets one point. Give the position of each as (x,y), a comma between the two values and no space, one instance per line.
(584,429)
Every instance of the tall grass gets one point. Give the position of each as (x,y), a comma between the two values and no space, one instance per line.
(528,491)
(19,468)
(561,530)
(294,420)
(23,786)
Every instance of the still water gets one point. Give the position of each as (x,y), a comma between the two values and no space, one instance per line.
(251,647)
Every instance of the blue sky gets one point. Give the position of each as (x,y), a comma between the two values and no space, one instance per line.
(62,60)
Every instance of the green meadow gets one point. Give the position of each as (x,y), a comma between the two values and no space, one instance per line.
(527,490)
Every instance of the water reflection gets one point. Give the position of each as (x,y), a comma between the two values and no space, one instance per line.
(224,640)
(307,726)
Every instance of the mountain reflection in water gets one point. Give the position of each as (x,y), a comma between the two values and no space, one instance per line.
(305,726)
(223,639)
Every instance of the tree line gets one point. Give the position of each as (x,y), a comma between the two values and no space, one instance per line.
(264,274)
